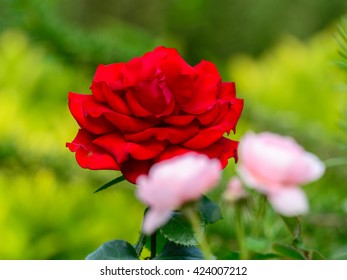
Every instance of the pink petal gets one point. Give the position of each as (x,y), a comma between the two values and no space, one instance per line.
(154,219)
(309,168)
(290,201)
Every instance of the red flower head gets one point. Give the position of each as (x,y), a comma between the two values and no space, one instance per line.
(153,108)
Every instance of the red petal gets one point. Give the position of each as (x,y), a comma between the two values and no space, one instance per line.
(109,73)
(205,93)
(216,112)
(133,168)
(205,138)
(116,145)
(77,103)
(207,68)
(172,151)
(223,149)
(110,97)
(228,91)
(89,155)
(125,123)
(179,120)
(172,134)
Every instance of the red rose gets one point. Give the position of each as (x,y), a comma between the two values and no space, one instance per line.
(153,108)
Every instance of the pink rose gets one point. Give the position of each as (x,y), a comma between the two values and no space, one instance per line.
(276,166)
(174,182)
(235,191)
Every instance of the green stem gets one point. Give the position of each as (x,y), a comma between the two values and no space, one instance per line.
(259,216)
(240,233)
(153,245)
(140,244)
(199,235)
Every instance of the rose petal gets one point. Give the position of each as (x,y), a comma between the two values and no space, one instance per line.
(174,135)
(90,156)
(109,73)
(217,111)
(309,168)
(289,202)
(132,168)
(113,99)
(263,156)
(120,149)
(154,219)
(77,103)
(207,68)
(227,92)
(180,120)
(205,91)
(205,138)
(223,149)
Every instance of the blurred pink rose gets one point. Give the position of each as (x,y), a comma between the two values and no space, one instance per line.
(235,191)
(276,165)
(173,182)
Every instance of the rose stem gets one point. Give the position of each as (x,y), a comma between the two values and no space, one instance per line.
(199,235)
(240,233)
(259,216)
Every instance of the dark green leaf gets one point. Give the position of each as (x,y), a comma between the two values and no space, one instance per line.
(111,183)
(289,252)
(180,231)
(114,250)
(174,251)
(210,211)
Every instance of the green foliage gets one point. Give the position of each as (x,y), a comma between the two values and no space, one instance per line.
(180,231)
(44,21)
(173,251)
(48,210)
(289,252)
(296,82)
(114,250)
(210,212)
(93,31)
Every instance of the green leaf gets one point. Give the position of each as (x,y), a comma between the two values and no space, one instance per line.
(180,231)
(111,183)
(174,251)
(209,211)
(315,255)
(114,250)
(288,252)
(140,244)
(294,226)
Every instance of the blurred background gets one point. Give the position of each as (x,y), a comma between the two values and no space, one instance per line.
(283,56)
